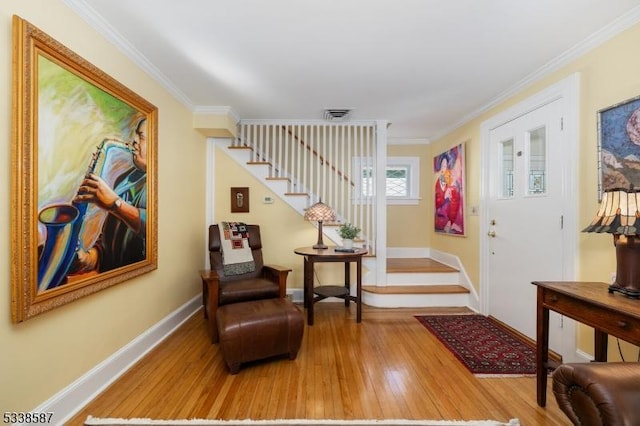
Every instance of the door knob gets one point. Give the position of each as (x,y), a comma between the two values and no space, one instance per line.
(492,234)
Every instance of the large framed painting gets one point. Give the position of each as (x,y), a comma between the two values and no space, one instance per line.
(84,177)
(619,146)
(448,169)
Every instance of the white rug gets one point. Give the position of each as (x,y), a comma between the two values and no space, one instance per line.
(95,421)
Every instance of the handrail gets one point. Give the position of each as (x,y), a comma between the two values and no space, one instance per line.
(318,159)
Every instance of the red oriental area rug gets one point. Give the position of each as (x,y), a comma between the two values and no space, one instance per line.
(482,345)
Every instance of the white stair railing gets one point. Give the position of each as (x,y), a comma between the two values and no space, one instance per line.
(332,161)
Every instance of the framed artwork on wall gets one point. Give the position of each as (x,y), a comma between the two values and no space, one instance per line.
(240,200)
(84,177)
(619,146)
(448,169)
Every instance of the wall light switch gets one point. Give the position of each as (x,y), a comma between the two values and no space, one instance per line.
(473,211)
(268,200)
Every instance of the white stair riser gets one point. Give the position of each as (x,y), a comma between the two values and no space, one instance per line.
(278,186)
(261,171)
(423,278)
(415,300)
(242,156)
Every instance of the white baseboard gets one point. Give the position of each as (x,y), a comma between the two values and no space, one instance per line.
(582,356)
(465,281)
(70,400)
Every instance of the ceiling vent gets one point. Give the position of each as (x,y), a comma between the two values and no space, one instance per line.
(336,114)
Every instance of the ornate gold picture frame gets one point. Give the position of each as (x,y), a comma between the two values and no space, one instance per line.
(84,177)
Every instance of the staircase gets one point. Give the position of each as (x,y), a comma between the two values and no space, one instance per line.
(417,281)
(307,162)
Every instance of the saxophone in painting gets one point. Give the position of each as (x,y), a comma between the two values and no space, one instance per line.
(63,223)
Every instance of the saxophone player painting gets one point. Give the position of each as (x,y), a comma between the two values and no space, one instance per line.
(122,239)
(84,184)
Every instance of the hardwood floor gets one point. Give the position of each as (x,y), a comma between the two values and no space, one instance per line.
(388,366)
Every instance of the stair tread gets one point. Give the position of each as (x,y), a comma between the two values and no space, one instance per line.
(416,289)
(416,264)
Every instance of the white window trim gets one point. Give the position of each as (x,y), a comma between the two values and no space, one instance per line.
(413,179)
(413,164)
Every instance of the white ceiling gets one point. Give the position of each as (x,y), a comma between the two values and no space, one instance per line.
(424,65)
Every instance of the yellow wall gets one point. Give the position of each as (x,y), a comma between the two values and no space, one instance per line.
(608,76)
(465,247)
(398,235)
(46,353)
(282,228)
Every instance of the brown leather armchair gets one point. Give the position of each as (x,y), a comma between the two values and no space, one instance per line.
(599,393)
(265,282)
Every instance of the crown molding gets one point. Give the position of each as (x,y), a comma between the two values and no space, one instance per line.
(217,110)
(596,39)
(619,25)
(95,21)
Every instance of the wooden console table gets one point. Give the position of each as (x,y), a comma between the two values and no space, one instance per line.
(589,303)
(312,256)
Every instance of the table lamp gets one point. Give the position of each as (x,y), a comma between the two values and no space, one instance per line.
(619,215)
(320,212)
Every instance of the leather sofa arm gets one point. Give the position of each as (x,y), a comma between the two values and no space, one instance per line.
(599,393)
(277,274)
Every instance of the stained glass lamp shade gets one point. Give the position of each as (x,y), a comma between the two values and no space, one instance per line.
(320,212)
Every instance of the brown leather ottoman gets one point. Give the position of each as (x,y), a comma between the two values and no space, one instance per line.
(259,329)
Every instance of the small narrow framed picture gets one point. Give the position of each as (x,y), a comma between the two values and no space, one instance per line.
(240,200)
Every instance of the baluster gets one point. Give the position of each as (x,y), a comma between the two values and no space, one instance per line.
(305,158)
(370,204)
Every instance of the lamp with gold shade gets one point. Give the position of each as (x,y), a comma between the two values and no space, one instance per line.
(619,215)
(320,212)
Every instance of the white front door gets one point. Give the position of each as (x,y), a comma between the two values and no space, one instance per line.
(527,208)
(525,214)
